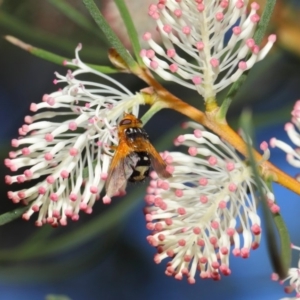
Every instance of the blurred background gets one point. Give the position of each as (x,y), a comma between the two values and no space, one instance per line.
(105,255)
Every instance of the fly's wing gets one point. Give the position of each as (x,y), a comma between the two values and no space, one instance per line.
(120,170)
(157,162)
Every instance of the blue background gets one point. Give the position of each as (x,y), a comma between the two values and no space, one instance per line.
(127,270)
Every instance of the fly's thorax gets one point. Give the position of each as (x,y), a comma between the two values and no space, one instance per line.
(134,133)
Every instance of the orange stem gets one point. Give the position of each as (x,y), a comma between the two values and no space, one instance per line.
(223,130)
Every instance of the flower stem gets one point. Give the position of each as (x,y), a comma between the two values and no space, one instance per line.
(151,112)
(54,58)
(220,127)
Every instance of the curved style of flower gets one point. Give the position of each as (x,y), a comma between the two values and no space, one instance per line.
(293,131)
(199,212)
(66,145)
(293,278)
(208,44)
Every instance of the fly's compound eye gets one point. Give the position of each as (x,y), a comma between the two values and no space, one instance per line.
(125,122)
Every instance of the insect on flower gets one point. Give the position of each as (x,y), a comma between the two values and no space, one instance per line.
(133,157)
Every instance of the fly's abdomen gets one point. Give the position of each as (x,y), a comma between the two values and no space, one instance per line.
(141,169)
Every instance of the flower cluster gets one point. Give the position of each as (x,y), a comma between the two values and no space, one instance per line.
(293,131)
(198,213)
(208,44)
(66,145)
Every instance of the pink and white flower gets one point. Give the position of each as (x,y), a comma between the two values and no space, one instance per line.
(207,45)
(64,147)
(293,278)
(206,208)
(293,131)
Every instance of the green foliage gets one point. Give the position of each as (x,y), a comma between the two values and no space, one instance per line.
(274,223)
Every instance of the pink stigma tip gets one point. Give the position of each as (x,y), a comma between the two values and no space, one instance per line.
(256,229)
(83,206)
(167,28)
(250,43)
(264,146)
(272,38)
(186,30)
(178,13)
(178,193)
(222,204)
(45,97)
(232,187)
(73,152)
(28,173)
(72,126)
(214,62)
(88,210)
(25,151)
(245,253)
(15,143)
(33,107)
(63,222)
(28,119)
(236,30)
(212,161)
(180,139)
(203,181)
(143,53)
(75,217)
(154,64)
(49,137)
(288,126)
(171,53)
(197,133)
(192,151)
(54,197)
(64,174)
(240,4)
(230,166)
(48,156)
(79,47)
(104,176)
(170,169)
(173,68)
(42,190)
(199,46)
(203,199)
(273,142)
(150,53)
(219,16)
(93,189)
(8,179)
(50,179)
(200,7)
(147,36)
(196,80)
(73,197)
(230,231)
(255,18)
(106,199)
(255,5)
(243,65)
(274,277)
(236,252)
